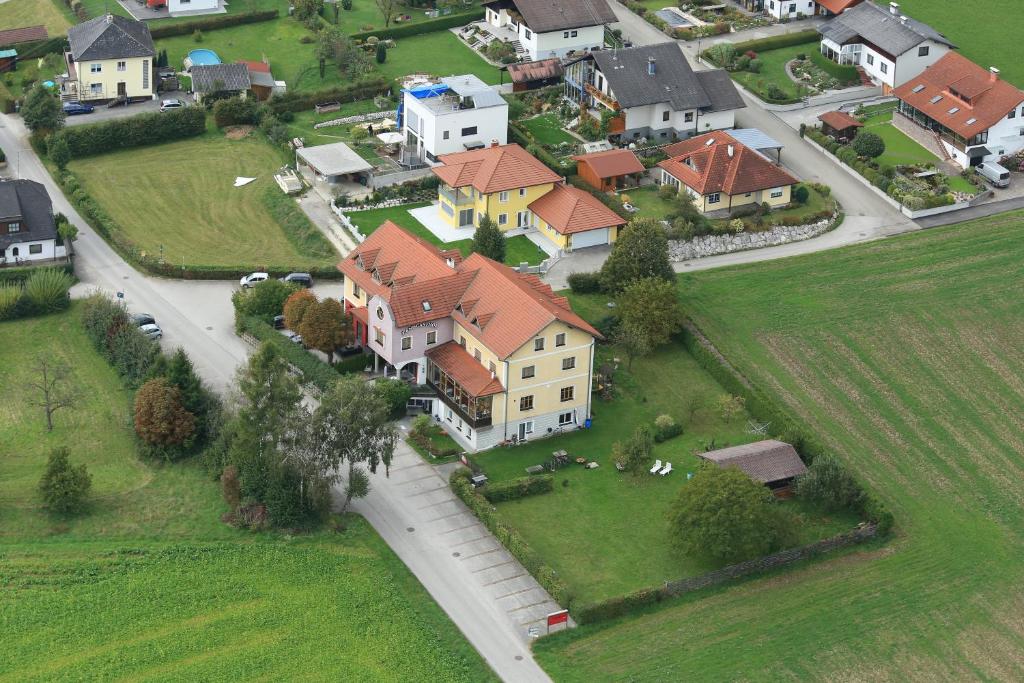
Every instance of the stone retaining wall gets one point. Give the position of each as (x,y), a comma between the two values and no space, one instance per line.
(712,245)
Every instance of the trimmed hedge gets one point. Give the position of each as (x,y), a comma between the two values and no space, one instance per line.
(776,42)
(134,131)
(38,48)
(514,489)
(301,101)
(842,72)
(212,23)
(298,229)
(21,273)
(546,576)
(314,371)
(421,27)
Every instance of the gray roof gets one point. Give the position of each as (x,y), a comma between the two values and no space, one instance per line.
(261,78)
(673,81)
(333,159)
(755,139)
(27,200)
(763,461)
(555,15)
(880,27)
(470,85)
(216,77)
(110,37)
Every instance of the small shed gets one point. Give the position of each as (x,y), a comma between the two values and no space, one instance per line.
(334,169)
(770,462)
(261,80)
(610,170)
(216,78)
(532,75)
(839,125)
(8,60)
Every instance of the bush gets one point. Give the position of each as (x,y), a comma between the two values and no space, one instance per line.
(264,301)
(665,428)
(776,42)
(160,418)
(10,298)
(584,283)
(314,371)
(513,489)
(211,23)
(801,194)
(64,487)
(420,27)
(46,290)
(829,484)
(134,131)
(868,144)
(395,393)
(235,111)
(294,101)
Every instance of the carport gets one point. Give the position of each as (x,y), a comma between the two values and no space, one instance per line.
(334,170)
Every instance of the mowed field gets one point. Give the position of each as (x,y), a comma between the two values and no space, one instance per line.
(985,31)
(181,195)
(150,585)
(905,357)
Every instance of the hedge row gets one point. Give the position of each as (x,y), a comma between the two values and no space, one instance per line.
(21,273)
(301,101)
(37,48)
(546,576)
(298,229)
(514,489)
(842,72)
(314,371)
(134,131)
(520,136)
(418,28)
(212,23)
(776,42)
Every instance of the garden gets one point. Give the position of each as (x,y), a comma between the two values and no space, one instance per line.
(718,18)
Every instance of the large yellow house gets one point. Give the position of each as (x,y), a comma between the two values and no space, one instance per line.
(517,191)
(506,357)
(721,173)
(110,58)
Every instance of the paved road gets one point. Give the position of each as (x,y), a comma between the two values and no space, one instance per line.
(980,211)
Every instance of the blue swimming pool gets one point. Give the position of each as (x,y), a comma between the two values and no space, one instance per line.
(201,57)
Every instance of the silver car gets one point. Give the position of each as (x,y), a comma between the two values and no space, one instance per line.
(152,331)
(167,105)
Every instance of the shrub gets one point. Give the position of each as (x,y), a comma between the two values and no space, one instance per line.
(295,101)
(211,23)
(395,393)
(231,486)
(134,131)
(585,283)
(263,301)
(160,418)
(829,484)
(801,194)
(64,487)
(665,428)
(47,290)
(868,144)
(513,489)
(776,42)
(235,111)
(382,53)
(10,297)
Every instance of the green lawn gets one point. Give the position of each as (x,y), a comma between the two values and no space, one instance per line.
(959,184)
(438,53)
(773,70)
(648,202)
(49,13)
(150,585)
(181,195)
(899,149)
(518,249)
(903,355)
(15,84)
(302,126)
(547,129)
(986,43)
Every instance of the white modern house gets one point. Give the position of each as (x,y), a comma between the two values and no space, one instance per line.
(27,228)
(652,92)
(455,114)
(891,47)
(180,8)
(543,29)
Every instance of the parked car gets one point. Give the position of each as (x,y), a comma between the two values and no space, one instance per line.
(167,105)
(995,174)
(75,108)
(140,319)
(152,330)
(252,279)
(295,337)
(304,279)
(278,322)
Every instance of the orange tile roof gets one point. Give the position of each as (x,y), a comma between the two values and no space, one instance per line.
(838,6)
(839,120)
(705,164)
(611,163)
(494,169)
(990,98)
(261,67)
(570,210)
(465,369)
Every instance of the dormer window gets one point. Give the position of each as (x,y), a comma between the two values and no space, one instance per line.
(450,262)
(375,275)
(14,227)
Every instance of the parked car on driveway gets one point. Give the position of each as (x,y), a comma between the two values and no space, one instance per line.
(278,322)
(295,337)
(140,319)
(167,105)
(252,279)
(152,330)
(304,279)
(75,108)
(996,175)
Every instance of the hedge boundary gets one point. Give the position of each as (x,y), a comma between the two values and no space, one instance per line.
(141,130)
(213,23)
(514,489)
(776,42)
(546,576)
(301,101)
(21,273)
(419,28)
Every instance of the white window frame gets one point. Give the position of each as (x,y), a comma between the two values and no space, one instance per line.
(572,393)
(777,192)
(122,66)
(714,197)
(406,343)
(538,344)
(502,219)
(431,338)
(560,339)
(528,372)
(503,197)
(95,68)
(565,419)
(569,363)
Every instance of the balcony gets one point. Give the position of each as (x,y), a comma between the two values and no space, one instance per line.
(475,412)
(462,384)
(455,196)
(603,98)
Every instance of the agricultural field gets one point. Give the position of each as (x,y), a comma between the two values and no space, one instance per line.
(160,587)
(988,43)
(49,13)
(181,196)
(903,355)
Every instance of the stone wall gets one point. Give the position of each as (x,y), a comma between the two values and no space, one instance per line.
(711,245)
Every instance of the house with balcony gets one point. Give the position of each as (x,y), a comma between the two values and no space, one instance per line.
(542,29)
(456,114)
(506,358)
(720,173)
(651,92)
(28,231)
(969,114)
(109,58)
(890,47)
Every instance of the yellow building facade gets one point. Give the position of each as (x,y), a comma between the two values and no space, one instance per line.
(465,207)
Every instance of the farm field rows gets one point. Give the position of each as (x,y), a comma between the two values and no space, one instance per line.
(904,357)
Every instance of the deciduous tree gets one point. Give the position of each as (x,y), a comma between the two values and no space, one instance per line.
(649,314)
(42,111)
(51,387)
(641,251)
(295,306)
(160,417)
(265,300)
(489,240)
(325,327)
(634,455)
(868,144)
(388,9)
(828,483)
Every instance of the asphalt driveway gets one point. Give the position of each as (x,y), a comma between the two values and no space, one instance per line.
(102,113)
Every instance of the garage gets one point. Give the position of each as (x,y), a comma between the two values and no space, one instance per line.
(590,238)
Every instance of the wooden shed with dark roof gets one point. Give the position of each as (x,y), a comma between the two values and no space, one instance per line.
(770,462)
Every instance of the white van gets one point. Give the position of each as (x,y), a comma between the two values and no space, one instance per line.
(995,174)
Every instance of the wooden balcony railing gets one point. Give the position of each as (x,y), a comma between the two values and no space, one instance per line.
(604,98)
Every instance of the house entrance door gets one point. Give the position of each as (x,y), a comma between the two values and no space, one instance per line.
(122,90)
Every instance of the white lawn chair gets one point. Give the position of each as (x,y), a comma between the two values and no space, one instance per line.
(666,469)
(657,466)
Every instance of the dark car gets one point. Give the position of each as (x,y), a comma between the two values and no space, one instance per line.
(304,279)
(74,108)
(278,322)
(140,319)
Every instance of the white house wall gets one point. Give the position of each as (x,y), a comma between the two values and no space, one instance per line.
(491,124)
(556,44)
(789,9)
(50,250)
(910,65)
(191,5)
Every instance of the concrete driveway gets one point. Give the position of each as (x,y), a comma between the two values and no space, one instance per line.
(102,113)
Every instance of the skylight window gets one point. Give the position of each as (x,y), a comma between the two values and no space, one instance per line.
(918,88)
(971,120)
(709,142)
(426,306)
(935,99)
(953,110)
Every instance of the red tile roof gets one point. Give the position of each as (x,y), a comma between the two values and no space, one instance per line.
(535,71)
(984,97)
(838,6)
(494,169)
(717,162)
(261,67)
(839,120)
(465,369)
(570,210)
(611,163)
(14,36)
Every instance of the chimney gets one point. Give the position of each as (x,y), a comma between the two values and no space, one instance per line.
(903,18)
(494,142)
(110,18)
(894,8)
(993,74)
(651,69)
(731,150)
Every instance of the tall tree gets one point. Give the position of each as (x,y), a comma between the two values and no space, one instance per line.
(351,425)
(295,306)
(42,111)
(648,315)
(64,487)
(640,251)
(388,9)
(325,327)
(51,385)
(265,300)
(489,240)
(634,455)
(160,417)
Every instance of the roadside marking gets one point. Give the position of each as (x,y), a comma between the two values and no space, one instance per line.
(469,526)
(486,552)
(500,564)
(438,519)
(494,583)
(472,540)
(509,595)
(536,604)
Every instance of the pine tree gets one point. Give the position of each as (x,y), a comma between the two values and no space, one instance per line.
(489,240)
